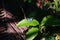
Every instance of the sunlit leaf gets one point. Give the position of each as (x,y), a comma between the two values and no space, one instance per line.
(56,3)
(31,34)
(43,21)
(28,22)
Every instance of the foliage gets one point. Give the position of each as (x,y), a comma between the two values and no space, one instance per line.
(28,22)
(47,13)
(32,33)
(50,20)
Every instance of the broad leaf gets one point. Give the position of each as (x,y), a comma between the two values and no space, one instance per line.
(28,22)
(32,33)
(50,20)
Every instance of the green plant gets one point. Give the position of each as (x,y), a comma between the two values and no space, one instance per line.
(48,17)
(33,31)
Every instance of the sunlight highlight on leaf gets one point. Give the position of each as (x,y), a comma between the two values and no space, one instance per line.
(28,22)
(31,34)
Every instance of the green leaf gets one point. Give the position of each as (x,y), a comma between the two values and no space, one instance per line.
(58,9)
(56,3)
(32,33)
(50,20)
(43,21)
(26,22)
(49,38)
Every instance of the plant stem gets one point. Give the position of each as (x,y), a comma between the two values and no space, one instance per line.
(23,12)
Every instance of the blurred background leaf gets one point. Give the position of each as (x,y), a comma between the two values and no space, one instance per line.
(50,20)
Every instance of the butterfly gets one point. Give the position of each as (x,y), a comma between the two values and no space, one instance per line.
(29,19)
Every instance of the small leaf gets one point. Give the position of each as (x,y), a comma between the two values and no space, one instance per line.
(32,33)
(56,3)
(28,22)
(58,9)
(43,21)
(49,38)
